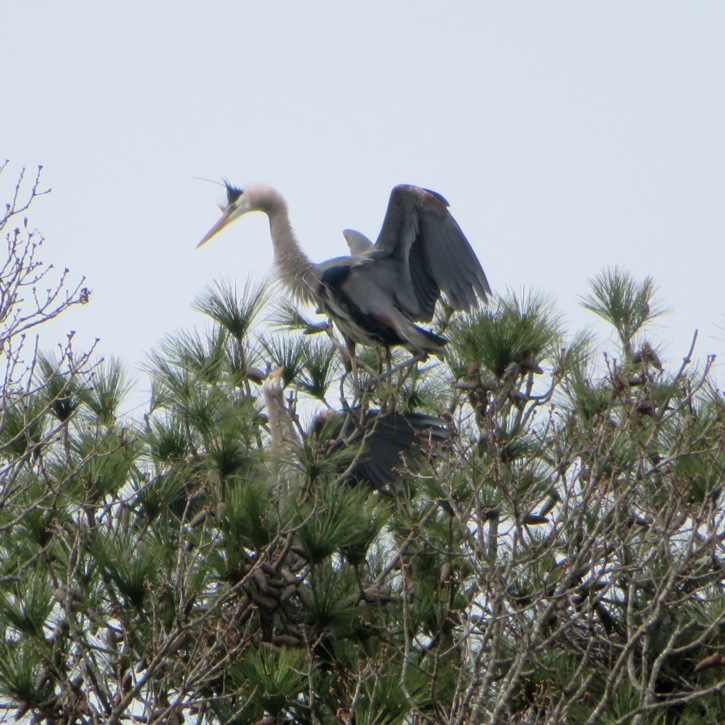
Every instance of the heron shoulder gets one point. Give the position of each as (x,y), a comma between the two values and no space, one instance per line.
(334,272)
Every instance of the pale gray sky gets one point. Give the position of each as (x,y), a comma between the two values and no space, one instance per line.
(568,136)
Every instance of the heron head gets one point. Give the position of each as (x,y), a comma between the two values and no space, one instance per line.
(238,204)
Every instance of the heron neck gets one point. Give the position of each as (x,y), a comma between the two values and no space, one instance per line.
(281,426)
(293,265)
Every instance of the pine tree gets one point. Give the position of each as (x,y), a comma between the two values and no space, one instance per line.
(551,553)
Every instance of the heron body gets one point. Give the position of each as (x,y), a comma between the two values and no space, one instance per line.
(376,295)
(374,322)
(390,441)
(386,443)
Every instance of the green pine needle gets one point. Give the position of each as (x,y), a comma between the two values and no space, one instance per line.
(236,312)
(625,303)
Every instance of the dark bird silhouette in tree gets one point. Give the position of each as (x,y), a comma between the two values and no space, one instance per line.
(386,443)
(376,295)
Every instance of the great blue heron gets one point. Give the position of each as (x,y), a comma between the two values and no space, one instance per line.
(376,295)
(386,442)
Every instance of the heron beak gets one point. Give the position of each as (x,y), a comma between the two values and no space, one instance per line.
(226,217)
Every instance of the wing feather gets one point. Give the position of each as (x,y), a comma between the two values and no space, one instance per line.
(432,253)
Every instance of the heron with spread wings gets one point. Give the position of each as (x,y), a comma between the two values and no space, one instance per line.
(376,295)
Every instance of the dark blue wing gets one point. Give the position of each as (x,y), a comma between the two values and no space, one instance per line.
(432,253)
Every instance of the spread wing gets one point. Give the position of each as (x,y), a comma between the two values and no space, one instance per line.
(390,440)
(430,252)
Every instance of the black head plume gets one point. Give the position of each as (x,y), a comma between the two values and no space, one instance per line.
(233,192)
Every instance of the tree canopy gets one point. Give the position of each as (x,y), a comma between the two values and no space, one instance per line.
(554,553)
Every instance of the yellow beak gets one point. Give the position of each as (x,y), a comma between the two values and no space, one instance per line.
(226,217)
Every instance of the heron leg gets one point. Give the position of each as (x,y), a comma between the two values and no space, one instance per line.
(350,346)
(406,365)
(407,370)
